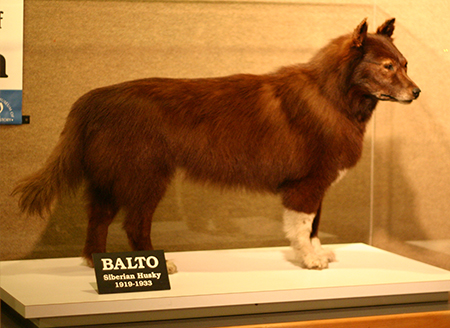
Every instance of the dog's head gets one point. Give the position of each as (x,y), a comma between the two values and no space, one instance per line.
(382,73)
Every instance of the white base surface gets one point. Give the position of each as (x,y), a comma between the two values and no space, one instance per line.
(63,292)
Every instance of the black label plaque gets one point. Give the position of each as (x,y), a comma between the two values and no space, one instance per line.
(131,272)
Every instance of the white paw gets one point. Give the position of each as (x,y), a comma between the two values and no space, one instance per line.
(171,267)
(322,252)
(329,254)
(314,261)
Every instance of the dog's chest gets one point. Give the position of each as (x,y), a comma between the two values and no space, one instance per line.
(341,175)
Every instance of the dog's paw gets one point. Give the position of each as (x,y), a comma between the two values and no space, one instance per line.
(329,254)
(314,261)
(87,261)
(171,267)
(321,251)
(314,256)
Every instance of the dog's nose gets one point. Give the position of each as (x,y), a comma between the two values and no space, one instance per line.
(416,92)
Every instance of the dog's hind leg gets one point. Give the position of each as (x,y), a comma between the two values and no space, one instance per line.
(138,224)
(101,212)
(138,220)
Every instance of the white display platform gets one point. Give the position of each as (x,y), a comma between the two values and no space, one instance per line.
(62,292)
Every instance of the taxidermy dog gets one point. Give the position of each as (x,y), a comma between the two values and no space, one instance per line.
(293,132)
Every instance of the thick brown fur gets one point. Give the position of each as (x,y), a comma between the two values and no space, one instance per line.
(290,132)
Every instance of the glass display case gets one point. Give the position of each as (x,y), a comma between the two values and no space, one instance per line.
(395,199)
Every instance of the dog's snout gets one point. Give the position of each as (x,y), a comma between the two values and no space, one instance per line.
(416,92)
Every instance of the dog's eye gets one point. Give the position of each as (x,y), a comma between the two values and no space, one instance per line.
(389,67)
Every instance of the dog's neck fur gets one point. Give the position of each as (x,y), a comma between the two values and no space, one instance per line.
(349,98)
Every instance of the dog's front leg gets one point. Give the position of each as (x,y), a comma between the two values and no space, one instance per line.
(308,251)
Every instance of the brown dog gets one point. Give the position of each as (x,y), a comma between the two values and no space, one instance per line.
(292,132)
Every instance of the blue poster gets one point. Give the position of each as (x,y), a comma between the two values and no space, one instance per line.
(10,106)
(11,61)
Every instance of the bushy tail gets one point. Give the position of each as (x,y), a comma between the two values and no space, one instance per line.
(61,173)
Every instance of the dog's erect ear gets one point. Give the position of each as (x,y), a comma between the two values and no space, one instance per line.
(360,33)
(387,28)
